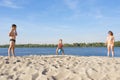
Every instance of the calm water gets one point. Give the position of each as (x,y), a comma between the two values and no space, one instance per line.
(68,51)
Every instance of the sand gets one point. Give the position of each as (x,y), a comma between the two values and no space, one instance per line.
(59,68)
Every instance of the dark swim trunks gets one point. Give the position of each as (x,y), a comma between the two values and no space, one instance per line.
(13,40)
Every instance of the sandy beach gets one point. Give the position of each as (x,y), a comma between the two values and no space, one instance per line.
(59,68)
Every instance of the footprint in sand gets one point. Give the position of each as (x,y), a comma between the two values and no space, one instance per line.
(44,72)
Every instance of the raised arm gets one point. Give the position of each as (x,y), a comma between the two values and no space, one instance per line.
(16,33)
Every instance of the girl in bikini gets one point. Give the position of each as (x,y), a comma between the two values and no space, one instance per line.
(110,43)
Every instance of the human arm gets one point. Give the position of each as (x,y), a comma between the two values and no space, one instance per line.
(10,33)
(16,33)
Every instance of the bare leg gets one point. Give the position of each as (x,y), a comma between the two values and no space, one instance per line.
(13,52)
(112,48)
(9,51)
(108,51)
(13,49)
(57,51)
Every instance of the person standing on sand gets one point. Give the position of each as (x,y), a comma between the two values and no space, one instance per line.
(60,47)
(110,43)
(12,35)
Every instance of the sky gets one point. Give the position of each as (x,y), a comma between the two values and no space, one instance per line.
(47,21)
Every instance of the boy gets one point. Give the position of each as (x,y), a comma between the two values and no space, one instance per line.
(60,47)
(12,35)
(110,43)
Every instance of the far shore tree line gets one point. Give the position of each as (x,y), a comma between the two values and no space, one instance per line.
(96,44)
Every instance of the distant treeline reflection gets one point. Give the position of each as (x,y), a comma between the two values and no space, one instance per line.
(96,44)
